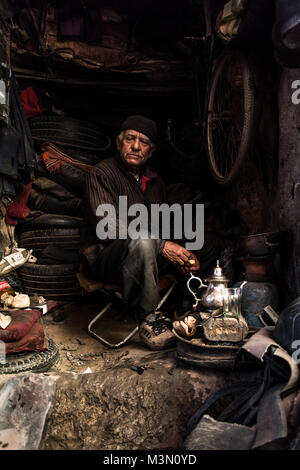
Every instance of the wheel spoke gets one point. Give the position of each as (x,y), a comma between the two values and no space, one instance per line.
(227,118)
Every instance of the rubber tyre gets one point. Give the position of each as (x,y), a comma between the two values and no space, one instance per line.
(69,132)
(48,285)
(248,117)
(53,234)
(48,279)
(38,240)
(51,221)
(41,270)
(64,295)
(31,361)
(54,282)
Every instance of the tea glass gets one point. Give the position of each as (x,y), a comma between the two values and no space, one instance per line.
(232,300)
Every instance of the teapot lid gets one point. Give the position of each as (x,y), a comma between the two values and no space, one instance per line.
(218,274)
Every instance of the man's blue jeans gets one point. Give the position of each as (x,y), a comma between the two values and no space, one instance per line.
(135,265)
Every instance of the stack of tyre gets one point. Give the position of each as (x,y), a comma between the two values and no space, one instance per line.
(56,218)
(52,281)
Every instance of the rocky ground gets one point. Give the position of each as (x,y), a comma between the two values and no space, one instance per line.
(99,398)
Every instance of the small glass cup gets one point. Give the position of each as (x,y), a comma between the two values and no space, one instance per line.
(232,300)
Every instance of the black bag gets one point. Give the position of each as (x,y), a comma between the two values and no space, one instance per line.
(10,148)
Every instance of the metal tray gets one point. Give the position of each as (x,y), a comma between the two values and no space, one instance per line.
(216,356)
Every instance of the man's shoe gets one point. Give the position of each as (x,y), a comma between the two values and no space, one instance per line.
(155,331)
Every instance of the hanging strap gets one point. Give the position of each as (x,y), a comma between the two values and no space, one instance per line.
(241,404)
(249,409)
(231,389)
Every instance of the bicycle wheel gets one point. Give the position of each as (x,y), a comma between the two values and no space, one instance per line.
(230,121)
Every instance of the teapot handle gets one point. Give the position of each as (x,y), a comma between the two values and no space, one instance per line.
(200,287)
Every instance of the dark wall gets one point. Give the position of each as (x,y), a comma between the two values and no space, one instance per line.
(288,190)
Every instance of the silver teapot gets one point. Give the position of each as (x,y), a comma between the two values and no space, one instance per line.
(212,298)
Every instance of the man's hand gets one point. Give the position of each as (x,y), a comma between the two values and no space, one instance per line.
(185,260)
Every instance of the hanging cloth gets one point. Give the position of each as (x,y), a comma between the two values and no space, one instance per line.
(17,156)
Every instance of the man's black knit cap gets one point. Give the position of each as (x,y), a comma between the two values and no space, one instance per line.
(141,124)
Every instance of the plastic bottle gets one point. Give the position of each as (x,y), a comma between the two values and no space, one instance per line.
(5,287)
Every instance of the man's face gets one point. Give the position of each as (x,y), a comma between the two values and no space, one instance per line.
(135,149)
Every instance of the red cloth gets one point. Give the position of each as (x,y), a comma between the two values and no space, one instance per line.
(145,179)
(52,305)
(30,102)
(34,340)
(53,158)
(18,208)
(21,323)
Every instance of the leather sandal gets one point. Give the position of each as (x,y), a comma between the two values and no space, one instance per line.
(155,331)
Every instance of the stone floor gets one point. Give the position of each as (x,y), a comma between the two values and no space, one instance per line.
(132,398)
(79,350)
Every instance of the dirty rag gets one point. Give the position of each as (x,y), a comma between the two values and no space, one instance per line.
(21,324)
(18,208)
(5,320)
